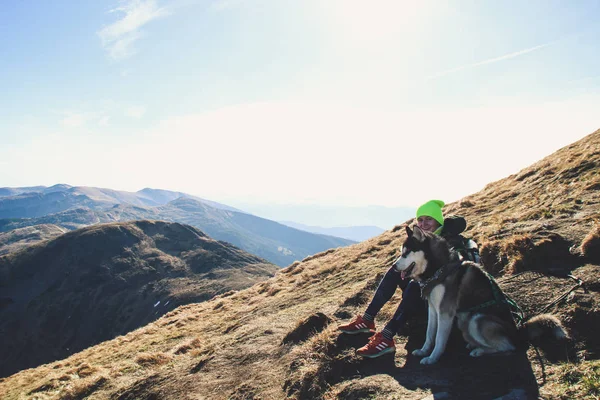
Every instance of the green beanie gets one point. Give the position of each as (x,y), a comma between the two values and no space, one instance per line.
(433,209)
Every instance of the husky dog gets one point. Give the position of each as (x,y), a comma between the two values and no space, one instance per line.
(462,289)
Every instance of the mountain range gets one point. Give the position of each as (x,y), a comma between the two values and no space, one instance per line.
(72,207)
(37,201)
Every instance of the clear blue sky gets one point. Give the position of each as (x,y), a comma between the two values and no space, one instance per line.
(324,101)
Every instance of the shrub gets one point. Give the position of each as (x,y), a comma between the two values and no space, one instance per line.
(491,257)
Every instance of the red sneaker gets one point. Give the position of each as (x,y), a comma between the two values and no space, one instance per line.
(359,325)
(377,346)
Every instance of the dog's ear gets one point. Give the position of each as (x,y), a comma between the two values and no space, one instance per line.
(409,232)
(419,234)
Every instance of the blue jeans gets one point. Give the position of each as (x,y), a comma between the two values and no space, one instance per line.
(411,304)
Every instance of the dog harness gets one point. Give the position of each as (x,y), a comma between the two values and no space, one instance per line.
(438,277)
(500,298)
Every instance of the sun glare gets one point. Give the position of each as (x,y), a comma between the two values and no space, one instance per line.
(370,22)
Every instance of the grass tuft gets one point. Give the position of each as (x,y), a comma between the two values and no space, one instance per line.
(83,388)
(150,359)
(193,344)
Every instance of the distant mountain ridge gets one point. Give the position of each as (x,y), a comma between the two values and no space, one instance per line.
(75,207)
(98,282)
(7,191)
(37,201)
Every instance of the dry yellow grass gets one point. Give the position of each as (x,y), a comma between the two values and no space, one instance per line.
(152,359)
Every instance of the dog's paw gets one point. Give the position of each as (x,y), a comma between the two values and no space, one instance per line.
(477,352)
(429,360)
(470,346)
(420,352)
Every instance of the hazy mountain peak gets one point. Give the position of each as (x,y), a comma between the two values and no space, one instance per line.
(59,187)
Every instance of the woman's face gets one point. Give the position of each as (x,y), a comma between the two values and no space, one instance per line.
(428,224)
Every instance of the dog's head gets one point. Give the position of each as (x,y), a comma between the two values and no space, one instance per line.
(412,262)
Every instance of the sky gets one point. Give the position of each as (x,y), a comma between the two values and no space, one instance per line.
(334,102)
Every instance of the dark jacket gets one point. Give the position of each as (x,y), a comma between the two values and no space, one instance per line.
(454,225)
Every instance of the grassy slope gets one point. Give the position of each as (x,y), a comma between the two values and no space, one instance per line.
(252,344)
(99,282)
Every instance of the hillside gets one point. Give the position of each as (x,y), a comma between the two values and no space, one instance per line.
(78,217)
(16,239)
(96,283)
(83,206)
(278,339)
(280,244)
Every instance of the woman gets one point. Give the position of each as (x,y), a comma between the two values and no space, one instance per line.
(431,219)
